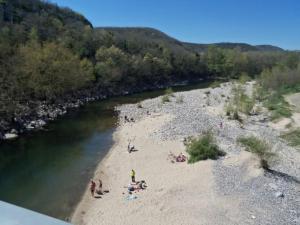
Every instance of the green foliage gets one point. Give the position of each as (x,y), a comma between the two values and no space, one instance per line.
(47,51)
(274,83)
(165,99)
(258,147)
(215,84)
(292,137)
(240,102)
(203,148)
(169,92)
(112,64)
(278,106)
(244,78)
(50,71)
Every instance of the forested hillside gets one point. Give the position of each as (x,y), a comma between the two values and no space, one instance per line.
(146,35)
(50,55)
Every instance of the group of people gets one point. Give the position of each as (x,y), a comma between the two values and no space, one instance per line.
(177,158)
(93,188)
(126,119)
(135,185)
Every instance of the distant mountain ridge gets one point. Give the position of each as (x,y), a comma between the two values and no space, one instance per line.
(146,34)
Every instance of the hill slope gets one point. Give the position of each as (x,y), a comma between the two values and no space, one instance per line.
(146,34)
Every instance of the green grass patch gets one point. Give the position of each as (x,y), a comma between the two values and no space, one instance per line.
(292,137)
(169,92)
(258,147)
(244,78)
(203,148)
(215,84)
(278,106)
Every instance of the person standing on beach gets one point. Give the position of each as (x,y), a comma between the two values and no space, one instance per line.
(132,176)
(99,191)
(92,187)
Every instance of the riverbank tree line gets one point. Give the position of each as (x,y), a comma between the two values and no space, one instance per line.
(48,52)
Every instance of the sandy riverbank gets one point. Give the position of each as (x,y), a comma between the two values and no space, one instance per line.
(232,190)
(178,193)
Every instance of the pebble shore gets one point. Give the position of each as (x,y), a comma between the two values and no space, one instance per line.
(201,110)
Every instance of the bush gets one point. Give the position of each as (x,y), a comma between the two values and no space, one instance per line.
(215,84)
(240,102)
(203,148)
(165,99)
(169,92)
(258,147)
(179,99)
(244,78)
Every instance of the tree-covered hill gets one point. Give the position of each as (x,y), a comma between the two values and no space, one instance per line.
(50,55)
(226,45)
(147,35)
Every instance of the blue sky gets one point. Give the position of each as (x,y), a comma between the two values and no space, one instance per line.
(275,22)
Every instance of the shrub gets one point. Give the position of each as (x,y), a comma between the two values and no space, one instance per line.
(203,148)
(215,84)
(278,106)
(165,99)
(244,78)
(240,102)
(258,147)
(179,99)
(169,92)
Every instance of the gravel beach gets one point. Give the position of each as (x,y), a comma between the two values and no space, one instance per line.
(230,190)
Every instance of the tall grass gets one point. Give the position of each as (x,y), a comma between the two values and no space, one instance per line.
(259,147)
(168,94)
(273,84)
(292,137)
(240,102)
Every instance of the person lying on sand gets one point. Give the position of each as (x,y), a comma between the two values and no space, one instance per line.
(180,158)
(139,185)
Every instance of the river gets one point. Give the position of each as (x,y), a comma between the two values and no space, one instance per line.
(47,171)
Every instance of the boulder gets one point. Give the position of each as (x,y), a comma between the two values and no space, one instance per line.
(9,136)
(279,194)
